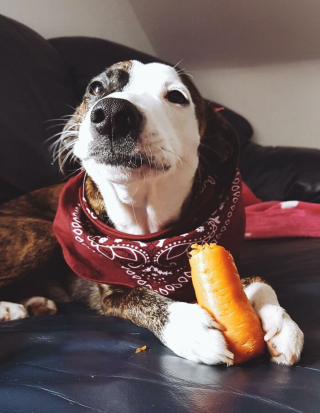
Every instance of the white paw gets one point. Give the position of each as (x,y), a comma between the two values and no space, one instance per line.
(283,336)
(11,311)
(193,334)
(40,306)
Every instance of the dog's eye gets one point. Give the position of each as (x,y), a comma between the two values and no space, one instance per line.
(174,96)
(96,88)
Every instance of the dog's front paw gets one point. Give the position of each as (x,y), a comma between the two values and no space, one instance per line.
(11,311)
(40,306)
(193,334)
(283,336)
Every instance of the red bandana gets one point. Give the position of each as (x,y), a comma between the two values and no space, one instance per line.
(158,261)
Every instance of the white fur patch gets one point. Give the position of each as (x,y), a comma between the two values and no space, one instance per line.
(81,146)
(260,294)
(146,199)
(283,336)
(40,305)
(11,311)
(192,333)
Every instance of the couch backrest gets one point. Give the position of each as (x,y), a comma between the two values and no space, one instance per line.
(35,87)
(45,80)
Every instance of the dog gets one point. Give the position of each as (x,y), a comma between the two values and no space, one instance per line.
(141,135)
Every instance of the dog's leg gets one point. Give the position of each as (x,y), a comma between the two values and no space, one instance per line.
(30,306)
(282,335)
(186,329)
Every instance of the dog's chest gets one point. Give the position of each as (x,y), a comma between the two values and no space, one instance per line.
(159,261)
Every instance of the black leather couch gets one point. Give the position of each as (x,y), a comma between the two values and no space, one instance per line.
(80,362)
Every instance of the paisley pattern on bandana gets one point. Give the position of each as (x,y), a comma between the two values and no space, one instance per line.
(102,254)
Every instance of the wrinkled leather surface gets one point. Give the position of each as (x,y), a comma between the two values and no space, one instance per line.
(35,88)
(80,362)
(281,173)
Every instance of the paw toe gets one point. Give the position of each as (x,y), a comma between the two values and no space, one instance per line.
(12,311)
(193,334)
(286,346)
(4,314)
(41,306)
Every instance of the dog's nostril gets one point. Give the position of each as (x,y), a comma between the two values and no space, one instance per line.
(132,118)
(98,116)
(115,117)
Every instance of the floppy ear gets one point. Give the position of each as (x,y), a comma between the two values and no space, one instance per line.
(220,141)
(68,138)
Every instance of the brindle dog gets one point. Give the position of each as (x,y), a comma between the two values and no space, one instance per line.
(31,262)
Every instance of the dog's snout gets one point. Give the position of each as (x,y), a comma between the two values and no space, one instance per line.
(116,118)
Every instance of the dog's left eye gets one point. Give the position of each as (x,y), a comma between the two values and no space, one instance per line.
(174,96)
(96,88)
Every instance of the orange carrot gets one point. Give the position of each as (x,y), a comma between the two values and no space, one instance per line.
(219,291)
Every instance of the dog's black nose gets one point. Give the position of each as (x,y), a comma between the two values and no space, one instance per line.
(116,118)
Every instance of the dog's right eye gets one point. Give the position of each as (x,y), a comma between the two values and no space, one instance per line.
(96,88)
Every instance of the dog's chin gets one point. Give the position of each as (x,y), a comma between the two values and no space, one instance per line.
(124,168)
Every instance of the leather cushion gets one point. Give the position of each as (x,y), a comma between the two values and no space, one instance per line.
(81,362)
(281,173)
(34,89)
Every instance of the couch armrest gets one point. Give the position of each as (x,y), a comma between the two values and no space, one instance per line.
(281,173)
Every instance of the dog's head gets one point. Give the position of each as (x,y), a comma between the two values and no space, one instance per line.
(144,120)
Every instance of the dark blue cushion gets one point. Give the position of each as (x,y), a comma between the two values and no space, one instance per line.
(35,88)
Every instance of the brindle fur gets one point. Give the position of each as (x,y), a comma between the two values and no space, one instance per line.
(27,240)
(250,280)
(138,304)
(31,260)
(95,200)
(118,76)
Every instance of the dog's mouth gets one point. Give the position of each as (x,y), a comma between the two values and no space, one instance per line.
(133,161)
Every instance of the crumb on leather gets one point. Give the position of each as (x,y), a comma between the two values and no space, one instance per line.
(138,350)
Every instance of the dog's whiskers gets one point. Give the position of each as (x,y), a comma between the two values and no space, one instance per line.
(134,213)
(58,154)
(180,61)
(173,153)
(66,157)
(184,72)
(57,119)
(141,162)
(60,124)
(74,171)
(159,147)
(152,158)
(65,132)
(63,135)
(148,159)
(69,106)
(59,148)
